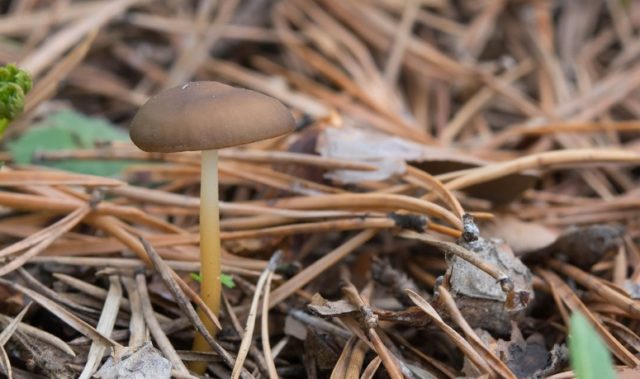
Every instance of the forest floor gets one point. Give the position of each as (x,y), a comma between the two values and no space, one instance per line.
(462,185)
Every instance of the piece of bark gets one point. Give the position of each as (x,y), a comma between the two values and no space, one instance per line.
(479,297)
(522,237)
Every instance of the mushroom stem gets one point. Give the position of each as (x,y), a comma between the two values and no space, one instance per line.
(210,288)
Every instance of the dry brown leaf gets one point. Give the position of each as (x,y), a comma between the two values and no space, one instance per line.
(326,308)
(522,237)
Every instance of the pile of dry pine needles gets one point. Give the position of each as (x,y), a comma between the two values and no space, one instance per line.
(353,243)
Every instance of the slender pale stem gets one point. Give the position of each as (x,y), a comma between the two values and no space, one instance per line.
(210,289)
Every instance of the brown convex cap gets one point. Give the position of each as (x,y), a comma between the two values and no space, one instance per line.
(207,116)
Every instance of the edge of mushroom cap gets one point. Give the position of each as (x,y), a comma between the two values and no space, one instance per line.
(205,116)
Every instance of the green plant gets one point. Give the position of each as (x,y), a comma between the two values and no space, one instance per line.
(14,86)
(226,280)
(69,130)
(590,358)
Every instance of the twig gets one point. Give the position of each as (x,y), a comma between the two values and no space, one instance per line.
(319,266)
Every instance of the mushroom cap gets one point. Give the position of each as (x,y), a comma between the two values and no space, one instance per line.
(207,116)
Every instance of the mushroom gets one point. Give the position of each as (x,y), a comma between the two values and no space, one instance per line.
(208,116)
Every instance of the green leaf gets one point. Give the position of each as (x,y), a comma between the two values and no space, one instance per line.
(66,130)
(227,280)
(590,358)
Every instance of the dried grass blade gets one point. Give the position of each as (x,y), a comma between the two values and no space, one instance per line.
(424,179)
(476,103)
(548,160)
(362,301)
(263,83)
(7,332)
(627,335)
(16,178)
(261,156)
(191,58)
(137,326)
(374,342)
(371,201)
(114,227)
(37,61)
(312,227)
(168,277)
(258,357)
(63,226)
(105,326)
(616,297)
(571,300)
(18,23)
(371,368)
(318,267)
(251,318)
(5,363)
(149,195)
(277,181)
(40,335)
(58,204)
(61,298)
(481,28)
(63,314)
(457,339)
(399,45)
(266,344)
(340,368)
(48,85)
(354,327)
(154,327)
(388,360)
(45,233)
(243,266)
(90,289)
(446,371)
(620,267)
(500,367)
